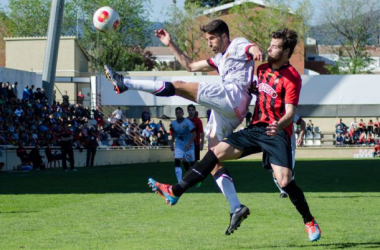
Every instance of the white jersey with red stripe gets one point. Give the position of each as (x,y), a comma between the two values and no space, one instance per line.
(235,65)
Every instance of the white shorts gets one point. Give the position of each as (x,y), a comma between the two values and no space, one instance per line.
(180,153)
(229,104)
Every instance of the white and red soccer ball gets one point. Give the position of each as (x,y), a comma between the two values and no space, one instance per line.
(106,19)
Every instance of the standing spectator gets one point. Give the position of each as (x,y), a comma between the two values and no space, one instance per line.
(342,126)
(67,147)
(31,94)
(376,126)
(92,145)
(65,99)
(199,139)
(11,94)
(118,113)
(80,98)
(145,115)
(15,89)
(354,124)
(362,127)
(248,117)
(310,127)
(376,149)
(25,93)
(4,91)
(22,154)
(370,127)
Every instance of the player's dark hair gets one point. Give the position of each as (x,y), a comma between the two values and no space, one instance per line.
(191,106)
(216,26)
(178,108)
(289,38)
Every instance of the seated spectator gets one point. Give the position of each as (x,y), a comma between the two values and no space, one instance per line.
(370,140)
(23,154)
(161,140)
(36,158)
(362,139)
(376,149)
(348,140)
(310,127)
(146,133)
(339,140)
(339,130)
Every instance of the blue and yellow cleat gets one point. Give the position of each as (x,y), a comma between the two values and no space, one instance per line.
(313,230)
(164,190)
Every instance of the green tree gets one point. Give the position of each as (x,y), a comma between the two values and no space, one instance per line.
(118,49)
(351,25)
(257,26)
(184,28)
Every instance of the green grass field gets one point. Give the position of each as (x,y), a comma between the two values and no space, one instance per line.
(111,207)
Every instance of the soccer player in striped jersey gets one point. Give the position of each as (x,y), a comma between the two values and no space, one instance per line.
(279,87)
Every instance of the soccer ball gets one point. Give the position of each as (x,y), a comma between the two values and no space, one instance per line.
(106,19)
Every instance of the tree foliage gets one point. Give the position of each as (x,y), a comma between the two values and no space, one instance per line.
(184,28)
(120,49)
(189,4)
(350,24)
(257,26)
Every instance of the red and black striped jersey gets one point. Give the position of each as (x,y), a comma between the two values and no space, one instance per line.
(275,89)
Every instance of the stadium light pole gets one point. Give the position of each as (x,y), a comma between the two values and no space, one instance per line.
(52,46)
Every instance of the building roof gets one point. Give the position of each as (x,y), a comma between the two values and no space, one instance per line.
(159,51)
(45,38)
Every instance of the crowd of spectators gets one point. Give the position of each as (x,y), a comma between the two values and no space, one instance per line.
(358,133)
(32,121)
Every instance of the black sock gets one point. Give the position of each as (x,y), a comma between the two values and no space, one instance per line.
(197,173)
(186,165)
(298,199)
(168,90)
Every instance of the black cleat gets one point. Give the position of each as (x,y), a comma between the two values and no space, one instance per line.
(237,217)
(115,79)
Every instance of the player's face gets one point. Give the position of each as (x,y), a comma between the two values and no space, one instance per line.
(179,114)
(217,43)
(191,112)
(276,51)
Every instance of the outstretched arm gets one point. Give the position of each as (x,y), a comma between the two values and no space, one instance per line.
(183,59)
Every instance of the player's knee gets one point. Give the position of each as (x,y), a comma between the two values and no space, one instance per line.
(177,84)
(284,181)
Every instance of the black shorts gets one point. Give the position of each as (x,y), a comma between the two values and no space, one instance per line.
(276,149)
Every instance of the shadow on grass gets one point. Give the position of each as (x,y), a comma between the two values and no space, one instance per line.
(249,177)
(333,245)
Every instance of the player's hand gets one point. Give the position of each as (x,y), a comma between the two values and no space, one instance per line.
(273,129)
(163,35)
(187,147)
(258,53)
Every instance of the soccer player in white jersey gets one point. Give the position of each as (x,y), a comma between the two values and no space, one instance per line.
(294,143)
(183,135)
(228,99)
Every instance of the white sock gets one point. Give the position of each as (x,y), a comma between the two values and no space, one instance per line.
(281,190)
(150,86)
(228,189)
(178,173)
